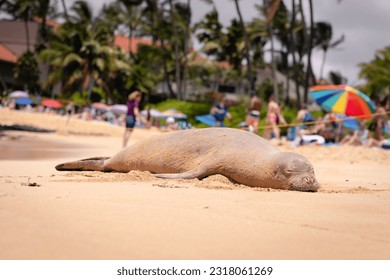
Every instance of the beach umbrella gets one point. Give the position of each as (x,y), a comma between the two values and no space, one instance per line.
(174,114)
(156,114)
(343,99)
(100,105)
(52,103)
(350,122)
(24,101)
(119,109)
(18,94)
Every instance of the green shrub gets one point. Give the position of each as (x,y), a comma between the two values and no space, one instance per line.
(191,109)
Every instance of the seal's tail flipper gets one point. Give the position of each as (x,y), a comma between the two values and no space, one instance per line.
(89,164)
(191,174)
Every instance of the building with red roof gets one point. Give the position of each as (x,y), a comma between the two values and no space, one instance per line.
(7,62)
(13,43)
(130,44)
(6,54)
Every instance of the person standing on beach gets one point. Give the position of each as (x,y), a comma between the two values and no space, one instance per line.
(70,110)
(253,113)
(273,118)
(379,123)
(220,111)
(132,113)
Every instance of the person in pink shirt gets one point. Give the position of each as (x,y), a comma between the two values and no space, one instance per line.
(132,114)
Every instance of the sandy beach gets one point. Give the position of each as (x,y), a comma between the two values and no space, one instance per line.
(94,215)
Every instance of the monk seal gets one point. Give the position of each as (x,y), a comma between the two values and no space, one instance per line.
(197,153)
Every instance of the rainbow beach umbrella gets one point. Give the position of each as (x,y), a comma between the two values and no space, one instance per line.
(343,99)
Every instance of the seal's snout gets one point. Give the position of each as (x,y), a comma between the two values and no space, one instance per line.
(310,181)
(305,184)
(310,184)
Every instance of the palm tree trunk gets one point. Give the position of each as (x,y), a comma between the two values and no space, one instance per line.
(130,39)
(171,94)
(27,34)
(90,87)
(322,65)
(152,6)
(43,14)
(273,62)
(165,69)
(65,10)
(287,99)
(309,69)
(246,46)
(186,47)
(293,51)
(106,88)
(177,52)
(305,40)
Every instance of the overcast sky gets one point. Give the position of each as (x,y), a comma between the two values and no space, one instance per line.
(365,24)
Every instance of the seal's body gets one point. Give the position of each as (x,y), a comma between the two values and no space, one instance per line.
(197,153)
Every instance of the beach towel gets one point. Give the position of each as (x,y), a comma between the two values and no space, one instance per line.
(206,119)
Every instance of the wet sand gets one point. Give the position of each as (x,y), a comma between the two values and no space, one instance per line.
(17,145)
(94,215)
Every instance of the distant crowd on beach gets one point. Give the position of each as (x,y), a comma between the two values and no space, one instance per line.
(327,129)
(105,114)
(79,112)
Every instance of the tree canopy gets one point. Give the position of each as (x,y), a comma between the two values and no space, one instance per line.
(83,57)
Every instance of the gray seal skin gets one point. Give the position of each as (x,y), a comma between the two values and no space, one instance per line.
(197,153)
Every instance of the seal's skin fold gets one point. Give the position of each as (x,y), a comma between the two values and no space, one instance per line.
(197,153)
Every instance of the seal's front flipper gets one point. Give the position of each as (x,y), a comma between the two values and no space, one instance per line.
(89,164)
(191,174)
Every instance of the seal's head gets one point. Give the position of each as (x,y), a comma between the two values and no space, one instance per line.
(295,172)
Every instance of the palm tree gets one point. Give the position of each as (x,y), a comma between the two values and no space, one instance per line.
(26,71)
(323,38)
(42,13)
(132,15)
(308,38)
(272,7)
(209,33)
(20,9)
(145,71)
(377,73)
(336,78)
(150,20)
(65,10)
(277,15)
(175,38)
(186,15)
(246,47)
(258,36)
(79,52)
(293,53)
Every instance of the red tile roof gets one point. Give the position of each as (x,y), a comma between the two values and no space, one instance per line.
(222,64)
(49,22)
(6,54)
(123,43)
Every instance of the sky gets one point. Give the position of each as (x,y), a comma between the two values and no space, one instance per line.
(365,24)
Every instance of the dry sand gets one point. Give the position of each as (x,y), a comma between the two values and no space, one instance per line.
(94,215)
